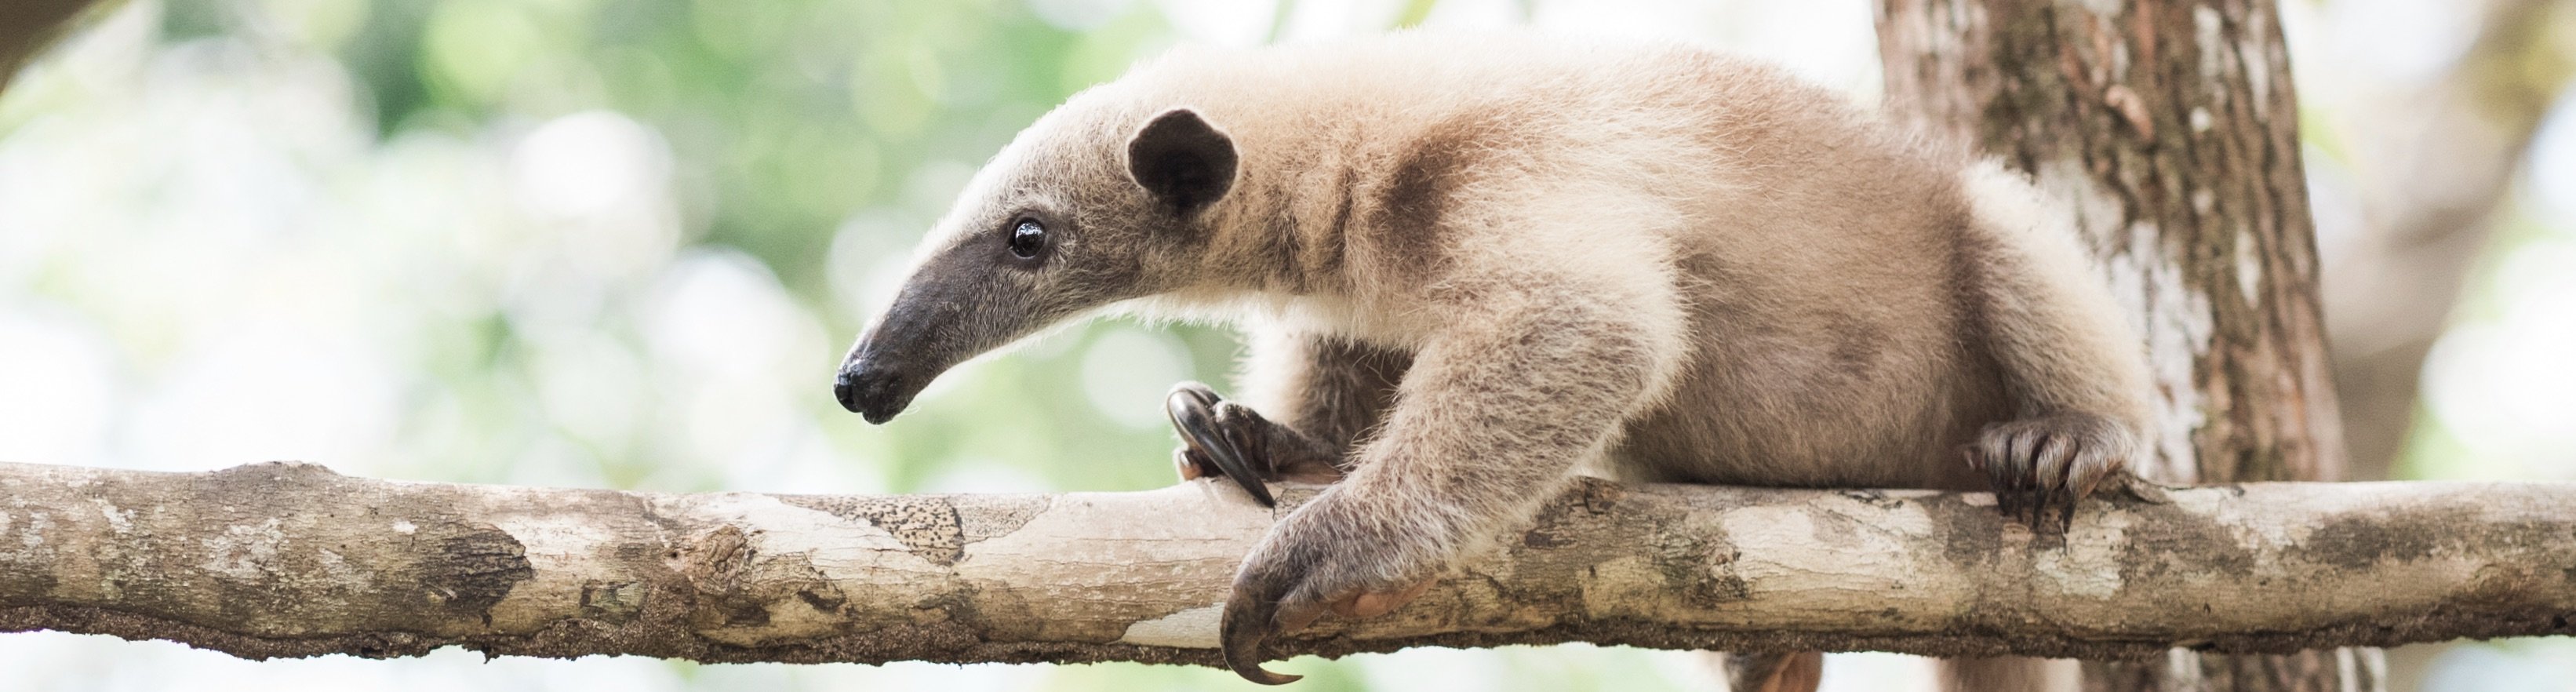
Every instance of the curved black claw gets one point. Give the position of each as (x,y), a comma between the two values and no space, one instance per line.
(1246,624)
(1193,410)
(2042,467)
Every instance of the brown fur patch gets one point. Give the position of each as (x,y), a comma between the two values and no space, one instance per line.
(1418,191)
(1347,388)
(1279,247)
(1856,346)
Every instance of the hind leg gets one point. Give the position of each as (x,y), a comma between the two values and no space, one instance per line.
(2009,674)
(1774,672)
(2071,364)
(1321,395)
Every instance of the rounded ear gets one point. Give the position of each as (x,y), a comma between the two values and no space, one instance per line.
(1181,160)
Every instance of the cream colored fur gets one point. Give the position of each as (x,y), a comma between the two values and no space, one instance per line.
(1675,263)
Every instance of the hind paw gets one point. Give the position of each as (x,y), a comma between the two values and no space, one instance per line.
(2040,467)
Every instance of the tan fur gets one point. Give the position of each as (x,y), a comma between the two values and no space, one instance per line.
(2009,674)
(1773,672)
(1681,265)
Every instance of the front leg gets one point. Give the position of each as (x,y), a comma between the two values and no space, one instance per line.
(1526,381)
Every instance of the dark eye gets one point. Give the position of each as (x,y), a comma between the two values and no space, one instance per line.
(1028,238)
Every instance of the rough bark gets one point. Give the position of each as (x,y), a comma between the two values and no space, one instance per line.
(276,560)
(2173,130)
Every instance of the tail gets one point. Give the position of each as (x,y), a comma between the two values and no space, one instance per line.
(2073,367)
(2009,675)
(1804,671)
(1800,671)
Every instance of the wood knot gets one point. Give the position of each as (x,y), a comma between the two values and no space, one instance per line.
(742,597)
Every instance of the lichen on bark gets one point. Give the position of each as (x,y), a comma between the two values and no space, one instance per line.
(292,560)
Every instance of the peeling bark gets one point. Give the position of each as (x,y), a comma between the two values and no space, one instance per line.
(274,560)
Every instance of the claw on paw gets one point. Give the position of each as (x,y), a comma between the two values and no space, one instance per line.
(1192,407)
(1250,620)
(1245,626)
(2040,467)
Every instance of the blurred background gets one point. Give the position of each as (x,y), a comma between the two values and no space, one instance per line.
(623,243)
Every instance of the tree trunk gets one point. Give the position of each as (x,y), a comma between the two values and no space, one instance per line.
(27,26)
(2172,129)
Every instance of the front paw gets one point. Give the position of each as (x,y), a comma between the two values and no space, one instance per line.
(1216,440)
(1220,437)
(1326,556)
(2040,467)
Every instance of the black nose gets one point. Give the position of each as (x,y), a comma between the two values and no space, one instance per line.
(846,389)
(875,393)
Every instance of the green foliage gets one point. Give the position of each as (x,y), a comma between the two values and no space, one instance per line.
(784,121)
(613,243)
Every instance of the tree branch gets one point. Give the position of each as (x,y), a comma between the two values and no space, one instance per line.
(276,559)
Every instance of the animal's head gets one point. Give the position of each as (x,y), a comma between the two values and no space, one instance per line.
(1092,205)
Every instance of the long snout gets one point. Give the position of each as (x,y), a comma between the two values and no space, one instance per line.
(894,360)
(950,310)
